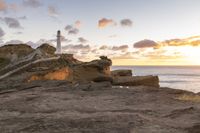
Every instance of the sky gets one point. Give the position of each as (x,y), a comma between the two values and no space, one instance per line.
(130,32)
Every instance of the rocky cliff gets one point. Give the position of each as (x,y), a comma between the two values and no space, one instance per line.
(26,65)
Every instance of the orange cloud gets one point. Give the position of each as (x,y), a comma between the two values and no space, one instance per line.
(104,22)
(77,24)
(190,41)
(4,7)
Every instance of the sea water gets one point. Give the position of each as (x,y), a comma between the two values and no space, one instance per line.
(177,77)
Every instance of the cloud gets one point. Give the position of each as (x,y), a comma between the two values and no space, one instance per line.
(2,33)
(112,36)
(63,39)
(90,52)
(32,3)
(42,41)
(52,11)
(126,23)
(13,6)
(82,40)
(68,27)
(4,7)
(78,47)
(127,55)
(18,33)
(32,44)
(11,22)
(103,47)
(145,44)
(22,17)
(78,24)
(71,30)
(79,50)
(14,42)
(120,48)
(190,41)
(104,22)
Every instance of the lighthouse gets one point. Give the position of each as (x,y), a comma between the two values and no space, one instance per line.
(58,48)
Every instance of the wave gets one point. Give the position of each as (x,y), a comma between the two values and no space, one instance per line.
(189,75)
(175,81)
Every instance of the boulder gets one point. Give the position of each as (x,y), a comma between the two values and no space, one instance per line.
(93,70)
(136,81)
(117,73)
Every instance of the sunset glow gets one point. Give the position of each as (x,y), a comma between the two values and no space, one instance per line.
(131,32)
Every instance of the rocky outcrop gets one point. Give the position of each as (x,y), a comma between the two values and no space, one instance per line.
(125,78)
(117,73)
(71,70)
(92,70)
(34,61)
(136,81)
(48,49)
(60,74)
(4,62)
(43,64)
(14,52)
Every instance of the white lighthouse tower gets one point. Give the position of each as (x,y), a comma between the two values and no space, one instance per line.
(59,48)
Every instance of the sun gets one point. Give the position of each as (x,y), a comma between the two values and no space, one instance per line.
(191,54)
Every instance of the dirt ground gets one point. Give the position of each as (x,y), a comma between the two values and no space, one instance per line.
(58,107)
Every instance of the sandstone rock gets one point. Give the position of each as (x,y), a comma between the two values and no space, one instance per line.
(4,62)
(103,79)
(92,70)
(14,52)
(70,59)
(90,86)
(116,73)
(43,64)
(137,81)
(73,70)
(60,74)
(48,49)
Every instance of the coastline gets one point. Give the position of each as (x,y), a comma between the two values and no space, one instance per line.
(49,93)
(185,78)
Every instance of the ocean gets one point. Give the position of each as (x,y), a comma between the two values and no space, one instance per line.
(177,77)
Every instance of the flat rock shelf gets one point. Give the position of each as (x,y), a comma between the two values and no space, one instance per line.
(62,107)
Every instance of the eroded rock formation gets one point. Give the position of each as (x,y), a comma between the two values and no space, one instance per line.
(117,73)
(136,81)
(43,64)
(60,74)
(73,72)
